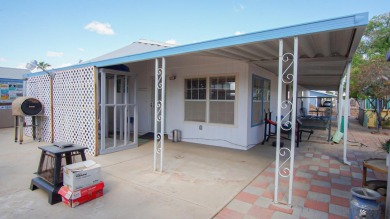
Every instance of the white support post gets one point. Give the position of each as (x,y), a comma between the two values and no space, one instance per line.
(278,120)
(130,94)
(339,105)
(106,92)
(285,154)
(293,118)
(155,114)
(121,113)
(115,107)
(159,102)
(125,95)
(102,110)
(135,115)
(346,113)
(162,113)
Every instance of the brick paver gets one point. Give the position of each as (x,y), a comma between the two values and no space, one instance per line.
(322,182)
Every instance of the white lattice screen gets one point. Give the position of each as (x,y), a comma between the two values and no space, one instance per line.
(74,107)
(73,104)
(39,87)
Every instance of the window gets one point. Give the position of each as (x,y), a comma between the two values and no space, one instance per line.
(261,93)
(222,96)
(195,99)
(218,101)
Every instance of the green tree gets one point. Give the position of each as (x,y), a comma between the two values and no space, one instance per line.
(370,75)
(43,65)
(376,39)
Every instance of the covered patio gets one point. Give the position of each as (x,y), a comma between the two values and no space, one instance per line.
(314,55)
(199,181)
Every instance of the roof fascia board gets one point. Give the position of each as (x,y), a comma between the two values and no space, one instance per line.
(346,22)
(356,40)
(28,75)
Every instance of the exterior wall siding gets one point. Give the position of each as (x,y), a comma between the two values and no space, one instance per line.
(231,136)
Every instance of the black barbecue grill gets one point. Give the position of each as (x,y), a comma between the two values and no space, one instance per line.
(27,106)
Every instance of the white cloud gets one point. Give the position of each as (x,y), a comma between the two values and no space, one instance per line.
(63,65)
(171,41)
(2,59)
(54,54)
(238,33)
(100,28)
(81,49)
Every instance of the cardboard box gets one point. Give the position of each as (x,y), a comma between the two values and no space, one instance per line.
(80,175)
(76,198)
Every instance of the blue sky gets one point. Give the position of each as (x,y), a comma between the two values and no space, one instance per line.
(62,32)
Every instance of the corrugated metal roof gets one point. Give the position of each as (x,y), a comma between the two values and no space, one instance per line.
(13,73)
(140,46)
(325,48)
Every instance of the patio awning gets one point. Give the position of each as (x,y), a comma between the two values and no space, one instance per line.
(322,56)
(324,49)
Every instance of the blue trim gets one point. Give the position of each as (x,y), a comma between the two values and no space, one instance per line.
(34,74)
(345,22)
(11,80)
(254,76)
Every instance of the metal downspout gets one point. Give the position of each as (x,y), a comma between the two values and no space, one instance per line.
(346,113)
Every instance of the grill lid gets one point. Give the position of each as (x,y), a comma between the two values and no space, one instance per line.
(31,107)
(26,106)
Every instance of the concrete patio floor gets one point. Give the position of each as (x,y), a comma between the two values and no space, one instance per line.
(198,181)
(322,182)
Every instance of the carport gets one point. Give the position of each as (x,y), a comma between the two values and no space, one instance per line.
(313,55)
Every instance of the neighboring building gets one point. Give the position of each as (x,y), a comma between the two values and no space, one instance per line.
(367,117)
(317,98)
(215,92)
(11,87)
(313,101)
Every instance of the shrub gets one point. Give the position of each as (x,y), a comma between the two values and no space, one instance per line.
(386,146)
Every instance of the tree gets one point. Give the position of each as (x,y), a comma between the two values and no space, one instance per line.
(376,39)
(43,65)
(370,76)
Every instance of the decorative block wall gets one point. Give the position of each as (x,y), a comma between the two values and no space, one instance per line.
(73,106)
(39,87)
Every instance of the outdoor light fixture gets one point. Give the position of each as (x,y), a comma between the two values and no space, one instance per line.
(32,65)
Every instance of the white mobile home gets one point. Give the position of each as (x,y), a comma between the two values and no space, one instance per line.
(215,92)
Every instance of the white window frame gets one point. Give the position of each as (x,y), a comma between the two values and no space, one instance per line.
(263,79)
(236,79)
(196,100)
